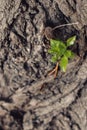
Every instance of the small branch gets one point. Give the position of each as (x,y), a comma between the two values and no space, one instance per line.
(64,25)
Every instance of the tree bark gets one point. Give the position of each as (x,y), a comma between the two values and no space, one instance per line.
(29,98)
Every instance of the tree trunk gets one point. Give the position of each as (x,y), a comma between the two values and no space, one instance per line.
(29,98)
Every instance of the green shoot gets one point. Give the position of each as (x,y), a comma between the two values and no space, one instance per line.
(60,52)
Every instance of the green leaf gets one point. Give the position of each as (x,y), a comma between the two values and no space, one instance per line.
(54,46)
(69,54)
(72,55)
(57,47)
(71,41)
(53,51)
(63,63)
(54,43)
(62,48)
(54,58)
(59,52)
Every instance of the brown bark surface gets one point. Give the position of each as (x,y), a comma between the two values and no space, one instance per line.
(29,99)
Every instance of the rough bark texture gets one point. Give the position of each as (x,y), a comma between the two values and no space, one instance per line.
(29,99)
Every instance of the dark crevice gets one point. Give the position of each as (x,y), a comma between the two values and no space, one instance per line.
(5,44)
(62,18)
(1,128)
(32,15)
(71,7)
(4,60)
(75,2)
(23,40)
(36,122)
(85,83)
(85,55)
(26,66)
(75,124)
(24,32)
(45,10)
(18,116)
(72,122)
(34,26)
(24,3)
(77,49)
(51,1)
(5,99)
(79,93)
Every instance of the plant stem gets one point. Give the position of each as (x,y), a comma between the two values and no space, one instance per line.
(69,24)
(54,71)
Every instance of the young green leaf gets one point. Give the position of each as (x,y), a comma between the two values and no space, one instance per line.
(71,41)
(72,55)
(54,58)
(53,51)
(62,48)
(57,47)
(54,43)
(59,52)
(68,53)
(63,63)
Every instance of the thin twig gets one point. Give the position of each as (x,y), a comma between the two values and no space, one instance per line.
(69,24)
